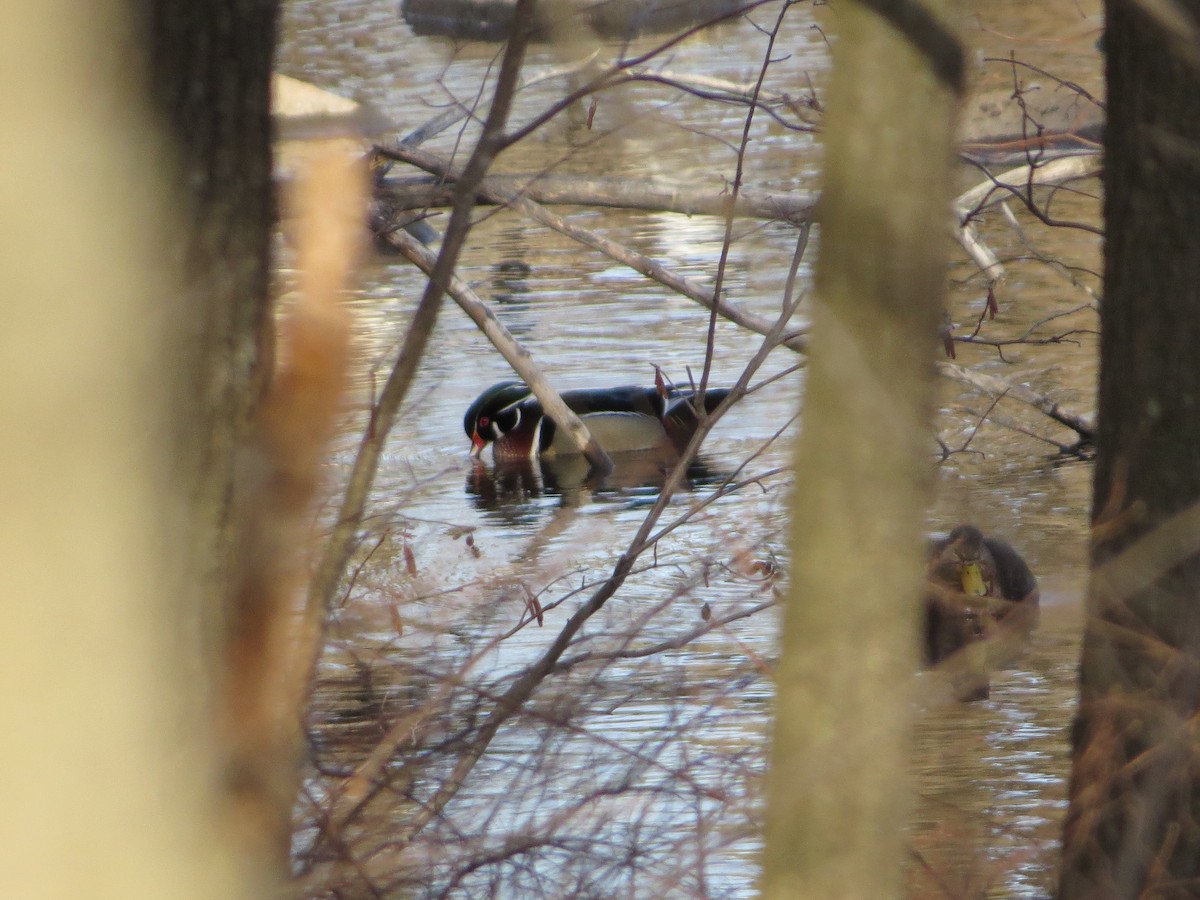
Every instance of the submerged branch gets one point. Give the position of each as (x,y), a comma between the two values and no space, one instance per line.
(648,194)
(989,384)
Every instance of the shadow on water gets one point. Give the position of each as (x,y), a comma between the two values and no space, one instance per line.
(519,492)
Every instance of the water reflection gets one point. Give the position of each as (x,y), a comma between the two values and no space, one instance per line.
(510,290)
(518,492)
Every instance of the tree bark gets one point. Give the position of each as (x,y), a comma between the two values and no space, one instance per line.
(1135,785)
(107,758)
(208,82)
(838,783)
(208,79)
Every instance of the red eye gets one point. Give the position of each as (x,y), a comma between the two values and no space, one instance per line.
(484,421)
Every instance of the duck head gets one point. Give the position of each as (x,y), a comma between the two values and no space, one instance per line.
(494,413)
(966,549)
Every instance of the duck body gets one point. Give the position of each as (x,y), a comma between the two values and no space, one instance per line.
(623,419)
(979,588)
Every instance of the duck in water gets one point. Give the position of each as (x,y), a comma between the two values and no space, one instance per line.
(979,588)
(622,419)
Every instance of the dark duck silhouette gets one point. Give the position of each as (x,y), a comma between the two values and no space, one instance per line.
(979,588)
(623,419)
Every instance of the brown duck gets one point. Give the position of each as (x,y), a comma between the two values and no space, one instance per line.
(979,588)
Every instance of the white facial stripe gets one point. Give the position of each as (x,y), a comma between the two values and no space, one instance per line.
(536,444)
(494,426)
(516,402)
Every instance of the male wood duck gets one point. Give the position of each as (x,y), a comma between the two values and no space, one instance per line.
(976,582)
(623,419)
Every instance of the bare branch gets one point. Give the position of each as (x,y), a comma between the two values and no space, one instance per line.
(687,287)
(341,542)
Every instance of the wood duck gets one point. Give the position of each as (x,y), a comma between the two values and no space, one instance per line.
(623,419)
(976,583)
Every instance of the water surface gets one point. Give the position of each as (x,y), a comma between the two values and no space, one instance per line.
(638,775)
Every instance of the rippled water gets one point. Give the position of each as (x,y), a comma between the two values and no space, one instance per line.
(990,774)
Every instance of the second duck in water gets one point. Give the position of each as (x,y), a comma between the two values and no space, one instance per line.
(623,419)
(979,589)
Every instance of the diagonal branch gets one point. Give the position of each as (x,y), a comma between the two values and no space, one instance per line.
(637,261)
(383,414)
(1081,425)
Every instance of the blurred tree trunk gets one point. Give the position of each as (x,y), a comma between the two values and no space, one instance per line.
(107,757)
(209,82)
(209,69)
(1132,829)
(838,787)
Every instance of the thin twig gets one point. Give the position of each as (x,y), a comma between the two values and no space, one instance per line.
(383,414)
